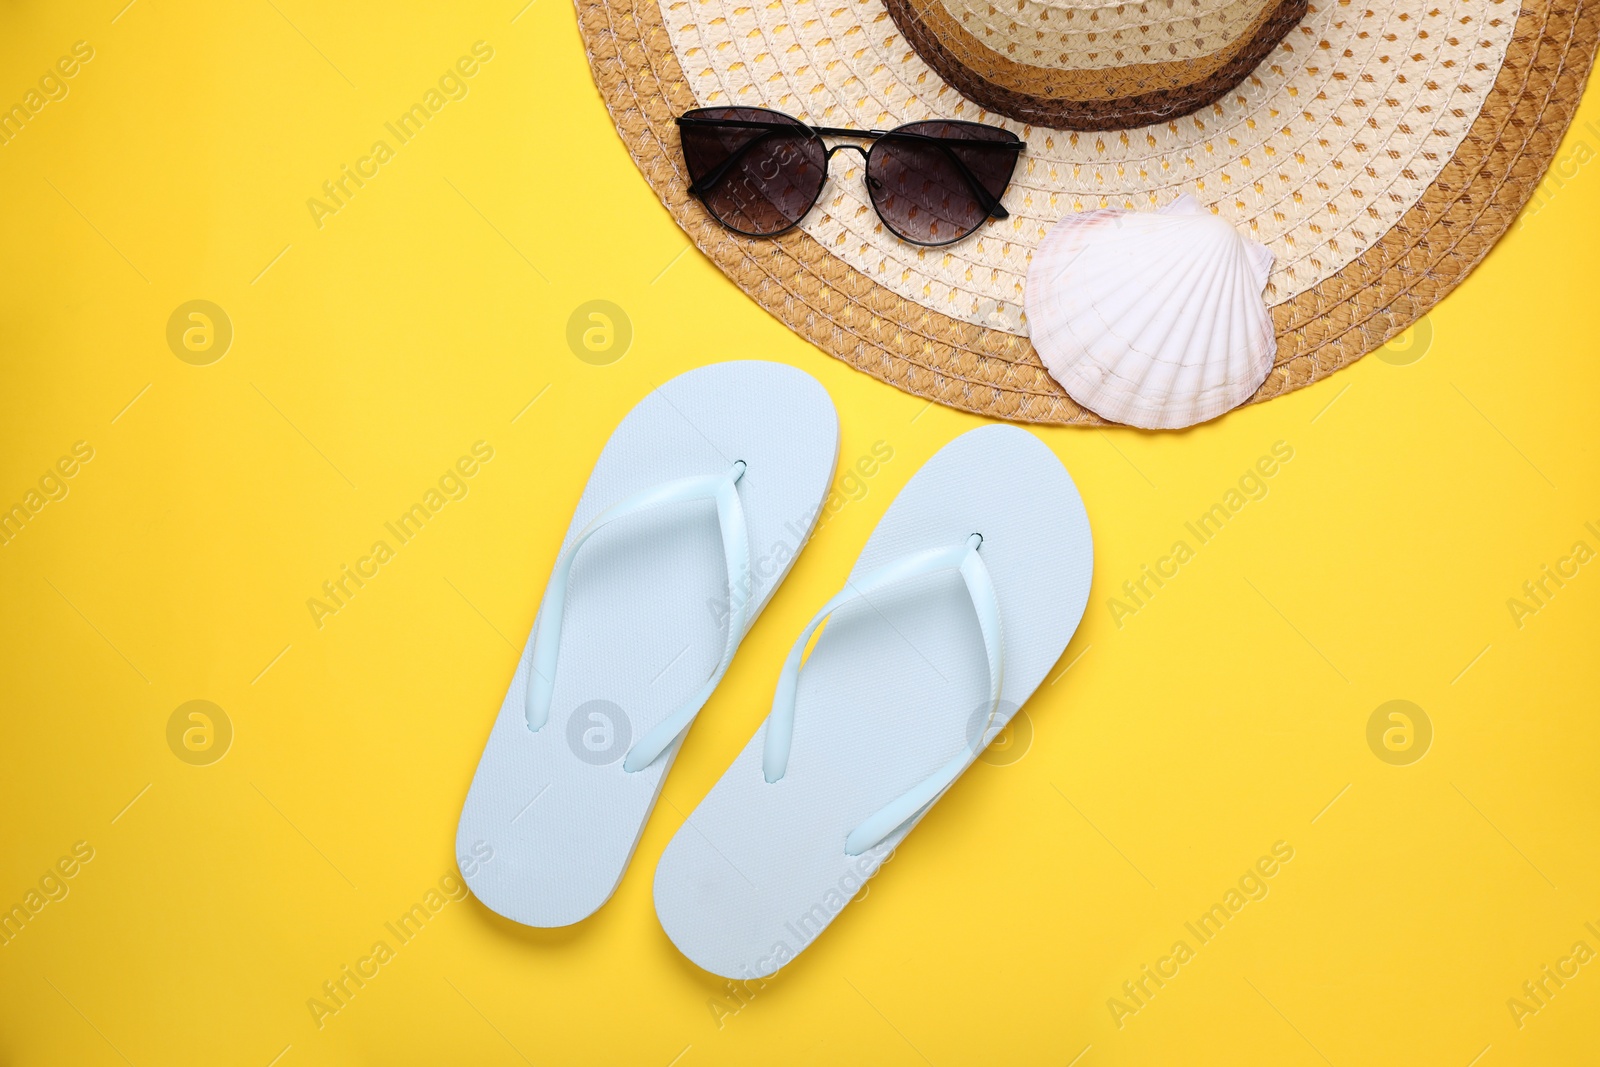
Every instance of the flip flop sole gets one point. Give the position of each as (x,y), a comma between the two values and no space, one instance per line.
(894,688)
(643,627)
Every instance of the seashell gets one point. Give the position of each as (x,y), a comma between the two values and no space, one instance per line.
(1154,319)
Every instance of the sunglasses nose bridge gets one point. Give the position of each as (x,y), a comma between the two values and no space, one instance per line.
(860,151)
(857,149)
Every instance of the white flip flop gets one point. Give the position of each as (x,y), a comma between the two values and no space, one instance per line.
(962,599)
(650,596)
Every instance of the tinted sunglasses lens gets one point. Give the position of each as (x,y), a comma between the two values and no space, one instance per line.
(920,191)
(756,181)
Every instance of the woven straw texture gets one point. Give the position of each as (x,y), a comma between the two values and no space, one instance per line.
(1100,80)
(1092,35)
(1379,154)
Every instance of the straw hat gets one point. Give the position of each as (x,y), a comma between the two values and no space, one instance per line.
(1378,151)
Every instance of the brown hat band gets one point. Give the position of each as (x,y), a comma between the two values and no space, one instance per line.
(1098,98)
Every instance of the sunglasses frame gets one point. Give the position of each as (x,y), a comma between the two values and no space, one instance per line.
(986,200)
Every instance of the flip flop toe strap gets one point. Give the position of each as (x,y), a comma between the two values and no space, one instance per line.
(780,724)
(722,488)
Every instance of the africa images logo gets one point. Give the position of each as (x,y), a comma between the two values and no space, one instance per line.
(52,87)
(338,191)
(339,591)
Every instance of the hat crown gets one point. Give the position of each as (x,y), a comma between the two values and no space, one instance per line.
(1084,35)
(1080,65)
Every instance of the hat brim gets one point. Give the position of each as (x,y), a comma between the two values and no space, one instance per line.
(1376,296)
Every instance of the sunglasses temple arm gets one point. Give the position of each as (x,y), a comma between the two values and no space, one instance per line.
(709,182)
(990,203)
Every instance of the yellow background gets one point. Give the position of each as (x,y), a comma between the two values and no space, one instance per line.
(1228,714)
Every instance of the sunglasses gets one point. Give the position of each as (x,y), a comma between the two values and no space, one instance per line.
(932,183)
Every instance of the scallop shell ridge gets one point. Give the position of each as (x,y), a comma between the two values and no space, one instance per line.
(1154,319)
